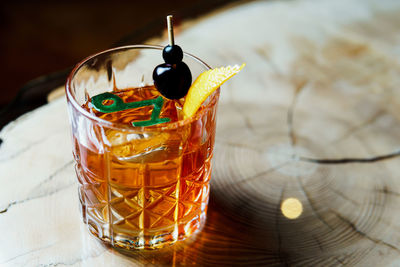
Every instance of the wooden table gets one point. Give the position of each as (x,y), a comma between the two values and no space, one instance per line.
(306,167)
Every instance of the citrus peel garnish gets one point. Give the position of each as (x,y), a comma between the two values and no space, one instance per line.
(205,85)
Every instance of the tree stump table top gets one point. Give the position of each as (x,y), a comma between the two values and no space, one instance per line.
(306,164)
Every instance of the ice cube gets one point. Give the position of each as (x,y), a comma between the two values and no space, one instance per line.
(132,146)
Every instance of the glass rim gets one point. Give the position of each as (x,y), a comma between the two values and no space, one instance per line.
(117,125)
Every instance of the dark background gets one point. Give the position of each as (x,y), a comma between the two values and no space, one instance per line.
(42,40)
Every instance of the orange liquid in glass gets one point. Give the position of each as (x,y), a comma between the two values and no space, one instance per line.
(144,189)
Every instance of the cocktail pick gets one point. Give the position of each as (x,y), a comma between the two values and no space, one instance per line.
(172,78)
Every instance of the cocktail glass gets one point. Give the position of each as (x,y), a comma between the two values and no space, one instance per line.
(139,187)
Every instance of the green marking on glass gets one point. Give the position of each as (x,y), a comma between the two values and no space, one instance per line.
(118,105)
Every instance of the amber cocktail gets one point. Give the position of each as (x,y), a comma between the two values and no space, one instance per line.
(139,187)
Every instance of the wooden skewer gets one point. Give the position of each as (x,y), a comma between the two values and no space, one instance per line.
(170,30)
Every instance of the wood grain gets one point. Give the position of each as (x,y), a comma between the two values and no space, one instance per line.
(312,118)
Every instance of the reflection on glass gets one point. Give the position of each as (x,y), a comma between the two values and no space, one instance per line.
(291,208)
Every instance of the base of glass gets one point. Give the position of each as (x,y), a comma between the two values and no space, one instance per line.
(149,240)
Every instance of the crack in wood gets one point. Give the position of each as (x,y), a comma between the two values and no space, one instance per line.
(290,114)
(318,243)
(25,149)
(248,124)
(43,182)
(379,202)
(58,263)
(22,150)
(54,174)
(238,108)
(355,203)
(291,132)
(298,88)
(385,190)
(363,234)
(388,192)
(351,160)
(359,127)
(74,261)
(263,54)
(29,252)
(312,204)
(9,205)
(261,174)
